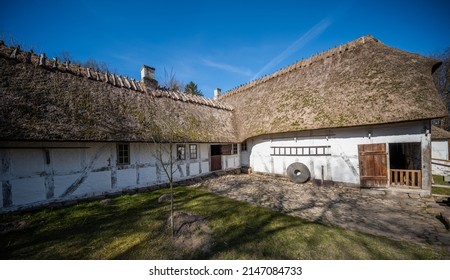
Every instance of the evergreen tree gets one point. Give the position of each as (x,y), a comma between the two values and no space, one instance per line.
(192,88)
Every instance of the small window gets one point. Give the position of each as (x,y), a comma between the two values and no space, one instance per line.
(193,151)
(244,146)
(235,149)
(181,152)
(123,153)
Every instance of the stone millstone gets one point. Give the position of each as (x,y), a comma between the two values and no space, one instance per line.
(298,172)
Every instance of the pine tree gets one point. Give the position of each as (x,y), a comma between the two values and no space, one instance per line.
(192,88)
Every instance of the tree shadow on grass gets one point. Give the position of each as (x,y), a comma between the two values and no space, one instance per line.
(80,231)
(328,211)
(240,231)
(243,231)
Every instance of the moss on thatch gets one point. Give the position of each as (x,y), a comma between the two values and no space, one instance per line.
(47,103)
(363,82)
(360,83)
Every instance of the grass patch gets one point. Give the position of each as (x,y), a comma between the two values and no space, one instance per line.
(134,227)
(439,180)
(443,191)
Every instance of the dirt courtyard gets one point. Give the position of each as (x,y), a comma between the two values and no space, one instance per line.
(399,218)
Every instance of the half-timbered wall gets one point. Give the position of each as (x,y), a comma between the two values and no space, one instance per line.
(36,172)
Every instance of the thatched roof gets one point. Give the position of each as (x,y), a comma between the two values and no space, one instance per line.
(53,101)
(438,133)
(363,82)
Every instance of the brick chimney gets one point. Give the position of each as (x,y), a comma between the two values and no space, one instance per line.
(148,77)
(217,92)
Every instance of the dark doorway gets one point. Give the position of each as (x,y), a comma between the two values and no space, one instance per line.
(216,157)
(405,161)
(405,156)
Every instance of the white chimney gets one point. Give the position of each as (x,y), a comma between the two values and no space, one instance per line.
(147,72)
(148,77)
(217,93)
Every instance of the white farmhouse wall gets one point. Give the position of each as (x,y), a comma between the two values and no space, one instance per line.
(204,152)
(342,165)
(38,172)
(231,161)
(439,150)
(245,158)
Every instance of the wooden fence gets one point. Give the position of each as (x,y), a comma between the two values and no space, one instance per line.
(410,178)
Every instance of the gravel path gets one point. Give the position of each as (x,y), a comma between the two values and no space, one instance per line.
(399,218)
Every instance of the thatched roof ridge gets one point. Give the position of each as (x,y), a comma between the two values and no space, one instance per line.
(438,133)
(300,64)
(116,80)
(363,82)
(51,103)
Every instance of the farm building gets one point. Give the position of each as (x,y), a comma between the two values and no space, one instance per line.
(439,151)
(358,114)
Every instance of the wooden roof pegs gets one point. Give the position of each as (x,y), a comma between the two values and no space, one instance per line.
(55,63)
(88,73)
(15,52)
(42,60)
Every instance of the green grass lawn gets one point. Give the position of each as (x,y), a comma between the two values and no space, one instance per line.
(439,180)
(134,227)
(438,190)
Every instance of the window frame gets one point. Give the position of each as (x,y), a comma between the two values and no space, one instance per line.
(234,149)
(244,146)
(123,153)
(182,155)
(193,155)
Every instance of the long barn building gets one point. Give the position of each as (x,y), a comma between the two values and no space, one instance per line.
(359,114)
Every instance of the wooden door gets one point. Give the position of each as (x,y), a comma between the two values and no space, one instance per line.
(216,163)
(216,157)
(373,165)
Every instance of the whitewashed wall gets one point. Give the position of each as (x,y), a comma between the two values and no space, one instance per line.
(231,161)
(83,169)
(439,150)
(342,165)
(245,158)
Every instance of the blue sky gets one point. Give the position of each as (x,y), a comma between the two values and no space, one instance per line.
(217,43)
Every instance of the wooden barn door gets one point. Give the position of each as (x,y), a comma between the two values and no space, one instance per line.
(373,165)
(216,157)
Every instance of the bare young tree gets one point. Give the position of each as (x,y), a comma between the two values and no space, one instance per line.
(12,41)
(171,82)
(96,65)
(169,129)
(65,56)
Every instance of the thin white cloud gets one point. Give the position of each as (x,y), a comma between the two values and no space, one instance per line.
(315,31)
(226,67)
